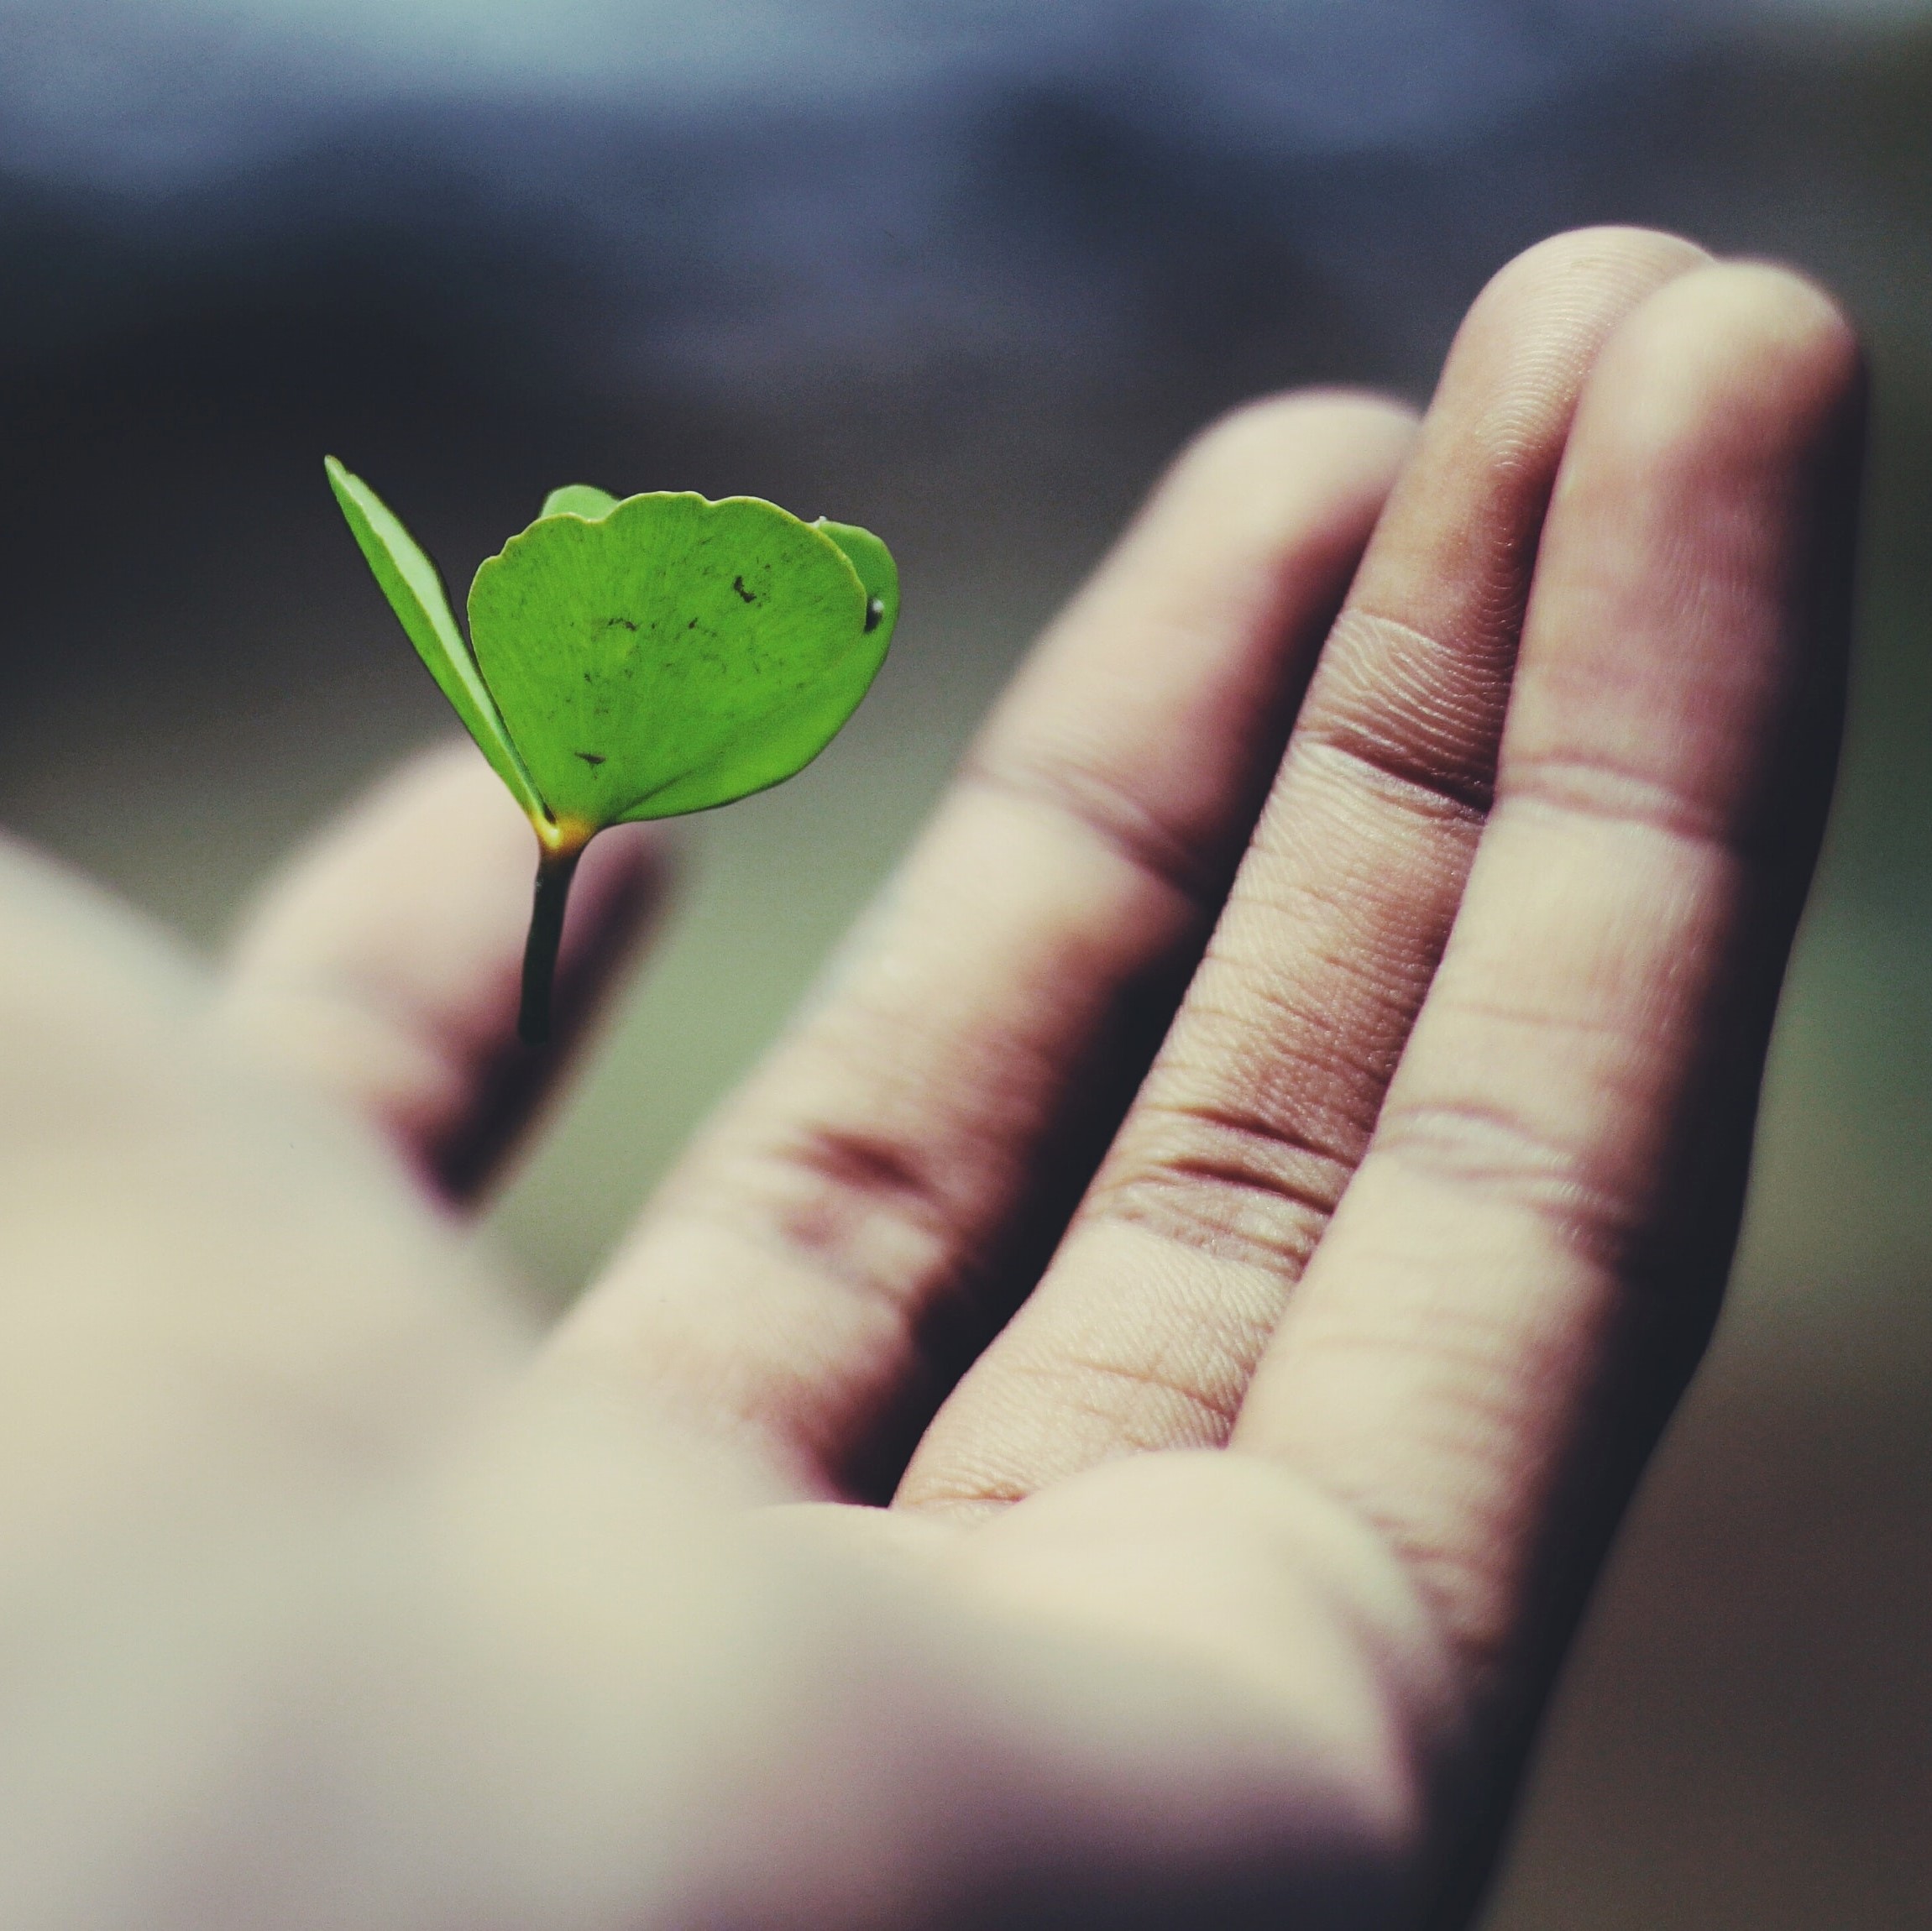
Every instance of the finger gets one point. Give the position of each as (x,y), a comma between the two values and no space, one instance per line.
(865,1212)
(383,967)
(1489,1338)
(1146,1330)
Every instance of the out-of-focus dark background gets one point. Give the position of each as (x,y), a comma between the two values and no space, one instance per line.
(966,272)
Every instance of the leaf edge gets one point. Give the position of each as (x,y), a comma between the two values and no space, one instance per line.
(432,628)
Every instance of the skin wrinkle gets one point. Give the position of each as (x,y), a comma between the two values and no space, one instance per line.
(870,1236)
(1204,1167)
(1624,1186)
(1600,788)
(1303,1101)
(864,1048)
(1495,1150)
(1277,1118)
(1236,1322)
(1289,901)
(1247,997)
(1107,814)
(1571,1025)
(1405,704)
(1368,772)
(1154,1395)
(1318,1058)
(1227,1211)
(1245,1130)
(1281,904)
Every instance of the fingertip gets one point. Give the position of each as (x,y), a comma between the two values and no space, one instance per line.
(1333,428)
(1756,343)
(382,965)
(1288,482)
(1688,638)
(1530,337)
(1609,256)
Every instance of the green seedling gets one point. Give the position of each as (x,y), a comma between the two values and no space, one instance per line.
(639,659)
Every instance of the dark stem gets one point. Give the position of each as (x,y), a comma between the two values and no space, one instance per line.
(554,871)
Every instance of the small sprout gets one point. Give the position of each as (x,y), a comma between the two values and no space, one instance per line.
(639,659)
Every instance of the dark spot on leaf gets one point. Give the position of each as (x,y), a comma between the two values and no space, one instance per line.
(625,621)
(590,758)
(738,584)
(692,625)
(874,613)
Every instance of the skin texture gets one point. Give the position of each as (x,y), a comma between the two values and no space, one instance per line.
(1247,1198)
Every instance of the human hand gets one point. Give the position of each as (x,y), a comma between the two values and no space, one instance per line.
(1237,1527)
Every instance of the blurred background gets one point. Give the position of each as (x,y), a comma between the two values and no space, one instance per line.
(967,272)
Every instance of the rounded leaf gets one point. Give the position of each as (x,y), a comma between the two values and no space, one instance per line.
(676,653)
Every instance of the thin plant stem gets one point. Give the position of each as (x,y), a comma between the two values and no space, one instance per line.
(554,871)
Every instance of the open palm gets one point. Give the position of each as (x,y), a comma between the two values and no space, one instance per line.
(1115,1424)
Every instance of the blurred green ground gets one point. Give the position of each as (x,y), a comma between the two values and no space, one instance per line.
(1746,1738)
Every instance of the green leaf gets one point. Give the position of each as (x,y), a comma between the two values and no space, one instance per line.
(640,659)
(678,653)
(579,500)
(416,594)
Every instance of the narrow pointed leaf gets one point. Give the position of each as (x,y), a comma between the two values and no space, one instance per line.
(410,582)
(579,500)
(678,653)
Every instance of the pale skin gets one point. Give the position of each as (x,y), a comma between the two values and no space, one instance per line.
(1099,1430)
